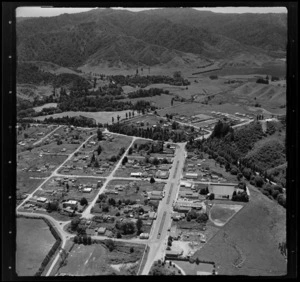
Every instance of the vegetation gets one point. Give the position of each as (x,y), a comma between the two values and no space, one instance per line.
(147,93)
(143,81)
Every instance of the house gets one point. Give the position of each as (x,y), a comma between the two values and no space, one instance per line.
(41,199)
(144,235)
(71,203)
(152,215)
(101,230)
(135,174)
(162,174)
(188,194)
(87,190)
(173,254)
(191,175)
(154,197)
(185,184)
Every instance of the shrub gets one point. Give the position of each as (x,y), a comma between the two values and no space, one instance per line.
(258,181)
(131,250)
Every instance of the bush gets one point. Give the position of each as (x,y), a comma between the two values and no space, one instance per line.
(258,181)
(83,202)
(234,171)
(131,250)
(152,180)
(110,244)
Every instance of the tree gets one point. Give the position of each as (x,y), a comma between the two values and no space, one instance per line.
(83,202)
(130,151)
(126,116)
(125,160)
(118,117)
(112,119)
(119,235)
(139,224)
(99,134)
(131,250)
(99,150)
(239,176)
(110,244)
(74,223)
(152,180)
(177,75)
(258,181)
(76,239)
(211,196)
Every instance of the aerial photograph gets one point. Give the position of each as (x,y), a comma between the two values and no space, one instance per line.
(151,141)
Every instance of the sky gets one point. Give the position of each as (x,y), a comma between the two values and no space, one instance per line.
(50,12)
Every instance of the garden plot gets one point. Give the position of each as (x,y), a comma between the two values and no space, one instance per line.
(220,214)
(97,259)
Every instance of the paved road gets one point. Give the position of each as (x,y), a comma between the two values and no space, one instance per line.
(87,212)
(157,243)
(45,137)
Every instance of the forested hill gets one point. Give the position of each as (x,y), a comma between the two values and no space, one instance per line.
(153,37)
(31,74)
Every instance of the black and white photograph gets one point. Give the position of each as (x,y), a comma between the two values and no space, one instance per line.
(151,141)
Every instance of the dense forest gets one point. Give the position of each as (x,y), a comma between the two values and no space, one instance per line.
(28,73)
(147,93)
(157,133)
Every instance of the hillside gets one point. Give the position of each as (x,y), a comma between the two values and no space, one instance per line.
(266,31)
(123,38)
(264,92)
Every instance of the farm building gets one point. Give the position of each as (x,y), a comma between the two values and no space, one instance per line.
(222,190)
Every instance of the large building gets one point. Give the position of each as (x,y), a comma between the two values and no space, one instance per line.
(223,190)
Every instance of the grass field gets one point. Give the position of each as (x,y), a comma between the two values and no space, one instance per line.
(100,117)
(25,184)
(49,105)
(220,214)
(193,268)
(34,241)
(96,259)
(248,244)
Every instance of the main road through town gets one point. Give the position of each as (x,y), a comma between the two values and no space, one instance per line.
(159,235)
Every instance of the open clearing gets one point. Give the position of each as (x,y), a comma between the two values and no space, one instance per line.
(248,244)
(34,241)
(220,214)
(193,268)
(49,105)
(96,259)
(100,117)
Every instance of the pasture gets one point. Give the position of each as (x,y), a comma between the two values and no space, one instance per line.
(34,241)
(248,243)
(220,214)
(194,268)
(100,117)
(96,259)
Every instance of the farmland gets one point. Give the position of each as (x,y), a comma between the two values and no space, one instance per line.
(34,241)
(252,248)
(97,259)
